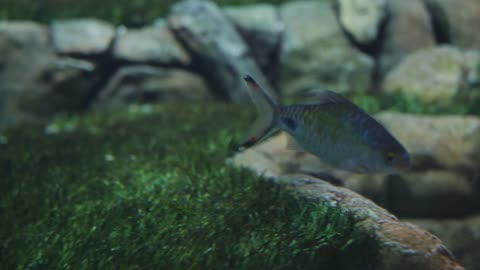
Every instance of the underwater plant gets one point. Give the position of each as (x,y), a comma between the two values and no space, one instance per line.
(148,187)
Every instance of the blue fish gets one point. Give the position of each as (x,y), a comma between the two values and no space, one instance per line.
(334,129)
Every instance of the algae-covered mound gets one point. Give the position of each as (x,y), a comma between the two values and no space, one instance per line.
(148,188)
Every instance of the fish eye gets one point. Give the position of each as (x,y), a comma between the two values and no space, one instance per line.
(390,156)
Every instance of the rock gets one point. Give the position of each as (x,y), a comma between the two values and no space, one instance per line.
(456,21)
(434,193)
(10,115)
(218,50)
(445,160)
(36,83)
(362,19)
(408,29)
(154,44)
(261,27)
(140,84)
(435,75)
(22,42)
(23,34)
(82,36)
(401,245)
(373,187)
(316,53)
(63,85)
(450,142)
(23,49)
(462,236)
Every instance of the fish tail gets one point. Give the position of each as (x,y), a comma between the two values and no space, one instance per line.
(267,108)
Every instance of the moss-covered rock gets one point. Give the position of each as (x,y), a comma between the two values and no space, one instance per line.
(149,188)
(401,245)
(461,235)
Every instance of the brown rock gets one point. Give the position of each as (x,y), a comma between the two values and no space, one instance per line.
(402,245)
(462,236)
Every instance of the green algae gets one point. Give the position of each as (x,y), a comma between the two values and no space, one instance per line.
(149,188)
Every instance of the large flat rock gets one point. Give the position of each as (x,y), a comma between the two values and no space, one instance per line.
(151,44)
(462,236)
(402,245)
(82,36)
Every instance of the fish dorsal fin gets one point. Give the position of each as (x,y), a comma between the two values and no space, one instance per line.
(322,96)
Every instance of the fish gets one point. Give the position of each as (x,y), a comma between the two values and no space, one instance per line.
(334,129)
